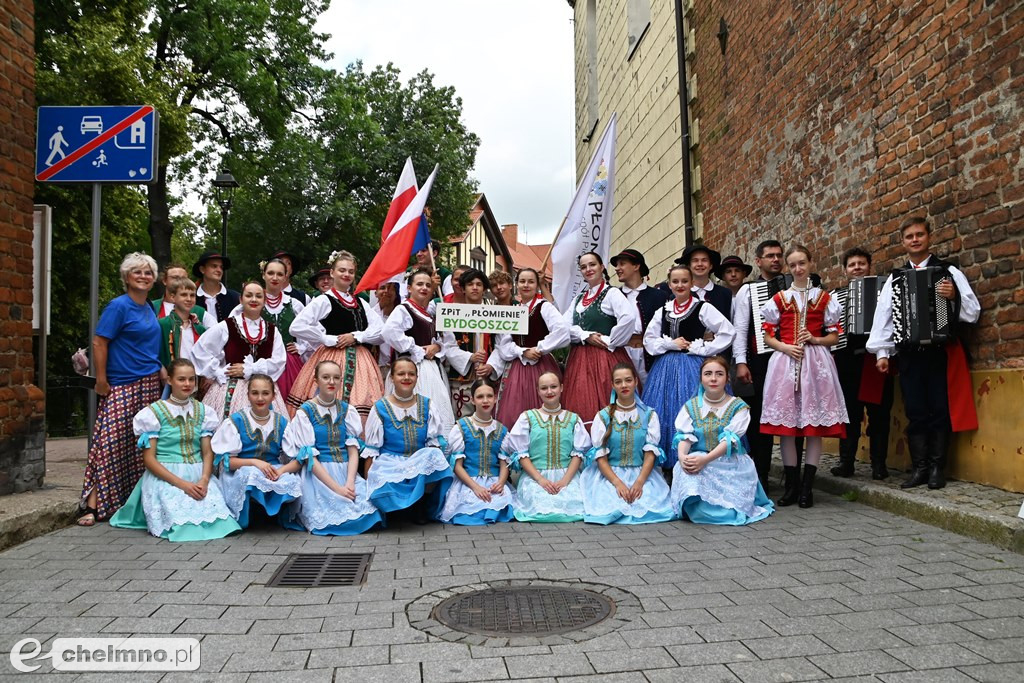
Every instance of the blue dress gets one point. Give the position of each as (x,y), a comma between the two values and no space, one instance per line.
(404,444)
(550,443)
(634,433)
(726,490)
(480,449)
(162,508)
(674,377)
(243,437)
(323,433)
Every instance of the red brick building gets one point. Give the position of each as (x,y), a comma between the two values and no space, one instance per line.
(22,437)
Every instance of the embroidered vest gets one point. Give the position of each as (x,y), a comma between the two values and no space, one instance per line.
(179,437)
(282,320)
(329,435)
(537,331)
(593,319)
(237,348)
(253,444)
(481,449)
(708,430)
(551,441)
(406,436)
(626,440)
(689,326)
(422,331)
(170,337)
(342,319)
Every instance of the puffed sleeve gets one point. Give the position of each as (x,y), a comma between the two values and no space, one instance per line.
(211,419)
(354,427)
(208,353)
(970,307)
(394,334)
(209,320)
(558,331)
(496,362)
(273,366)
(598,429)
(615,303)
(456,445)
(299,440)
(577,335)
(736,428)
(580,438)
(146,426)
(373,434)
(833,315)
(435,430)
(654,434)
(225,443)
(371,336)
(724,333)
(307,328)
(655,343)
(880,338)
(684,427)
(517,442)
(771,315)
(741,321)
(457,357)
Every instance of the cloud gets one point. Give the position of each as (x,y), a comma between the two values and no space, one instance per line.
(511,62)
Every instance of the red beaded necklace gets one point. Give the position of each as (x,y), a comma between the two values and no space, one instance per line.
(589,300)
(678,310)
(341,300)
(253,341)
(274,301)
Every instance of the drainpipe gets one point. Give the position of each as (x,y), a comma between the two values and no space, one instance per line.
(684,120)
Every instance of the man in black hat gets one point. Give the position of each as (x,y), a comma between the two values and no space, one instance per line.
(702,260)
(733,271)
(291,265)
(320,281)
(211,293)
(632,271)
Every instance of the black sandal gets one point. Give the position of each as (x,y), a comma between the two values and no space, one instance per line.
(88,512)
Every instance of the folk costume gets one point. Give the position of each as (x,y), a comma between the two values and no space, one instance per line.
(462,371)
(219,304)
(588,370)
(550,442)
(318,326)
(177,337)
(162,508)
(406,447)
(805,398)
(244,436)
(256,344)
(726,490)
(518,390)
(625,437)
(163,309)
(647,301)
(281,311)
(675,375)
(408,330)
(744,351)
(717,295)
(480,447)
(323,433)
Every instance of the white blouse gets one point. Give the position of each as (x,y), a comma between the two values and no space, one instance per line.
(208,352)
(375,427)
(307,328)
(598,430)
(518,439)
(395,336)
(737,425)
(657,344)
(833,310)
(227,439)
(557,336)
(614,304)
(146,421)
(457,444)
(299,432)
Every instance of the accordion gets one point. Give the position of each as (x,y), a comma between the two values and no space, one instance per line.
(920,317)
(761,292)
(842,295)
(861,303)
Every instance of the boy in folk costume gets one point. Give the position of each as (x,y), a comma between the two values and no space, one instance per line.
(474,355)
(632,271)
(180,330)
(211,293)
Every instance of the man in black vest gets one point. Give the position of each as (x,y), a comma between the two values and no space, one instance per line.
(211,293)
(632,271)
(702,261)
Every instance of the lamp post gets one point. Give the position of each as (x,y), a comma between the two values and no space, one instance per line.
(224,186)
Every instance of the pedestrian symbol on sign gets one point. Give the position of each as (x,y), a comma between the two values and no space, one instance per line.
(57,143)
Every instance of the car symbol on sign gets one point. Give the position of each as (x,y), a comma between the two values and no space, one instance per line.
(92,124)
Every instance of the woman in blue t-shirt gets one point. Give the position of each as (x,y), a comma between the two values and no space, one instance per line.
(126,355)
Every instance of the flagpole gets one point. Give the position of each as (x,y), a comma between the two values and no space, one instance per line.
(548,294)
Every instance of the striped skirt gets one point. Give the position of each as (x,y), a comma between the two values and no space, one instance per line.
(361,383)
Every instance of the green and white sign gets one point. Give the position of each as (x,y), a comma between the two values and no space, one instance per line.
(482,318)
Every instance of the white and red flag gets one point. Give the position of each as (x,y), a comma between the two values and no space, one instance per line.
(405,191)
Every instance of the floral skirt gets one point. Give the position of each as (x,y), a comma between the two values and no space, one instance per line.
(518,390)
(115,461)
(361,384)
(292,367)
(815,407)
(588,379)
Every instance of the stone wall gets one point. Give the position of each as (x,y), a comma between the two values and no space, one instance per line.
(22,437)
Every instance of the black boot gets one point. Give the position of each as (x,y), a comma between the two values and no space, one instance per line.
(792,486)
(939,443)
(879,448)
(807,487)
(918,445)
(847,455)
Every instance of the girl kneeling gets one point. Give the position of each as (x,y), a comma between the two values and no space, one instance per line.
(323,439)
(714,481)
(248,448)
(176,498)
(548,445)
(622,485)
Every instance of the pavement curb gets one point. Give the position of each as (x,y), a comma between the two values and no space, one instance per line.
(987,528)
(38,521)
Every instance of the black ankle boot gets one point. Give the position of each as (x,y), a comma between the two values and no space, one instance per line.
(879,448)
(807,487)
(918,445)
(847,455)
(792,487)
(937,453)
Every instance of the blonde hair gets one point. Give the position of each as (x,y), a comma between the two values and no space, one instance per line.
(179,283)
(135,260)
(342,255)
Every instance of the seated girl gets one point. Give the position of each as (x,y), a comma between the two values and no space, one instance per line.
(623,483)
(248,448)
(548,445)
(323,439)
(714,481)
(480,493)
(177,498)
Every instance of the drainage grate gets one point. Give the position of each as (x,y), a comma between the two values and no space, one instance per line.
(332,569)
(524,610)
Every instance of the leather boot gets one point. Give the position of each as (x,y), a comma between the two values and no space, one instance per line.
(879,449)
(918,445)
(792,487)
(847,456)
(807,487)
(939,443)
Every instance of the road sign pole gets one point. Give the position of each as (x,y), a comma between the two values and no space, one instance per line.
(94,297)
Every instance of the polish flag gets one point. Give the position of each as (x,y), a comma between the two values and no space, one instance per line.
(396,249)
(405,191)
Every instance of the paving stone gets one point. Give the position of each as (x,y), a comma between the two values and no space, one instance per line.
(314,641)
(942,656)
(669,635)
(930,676)
(996,673)
(289,625)
(776,671)
(143,625)
(734,630)
(394,673)
(267,661)
(636,659)
(710,673)
(463,669)
(998,650)
(325,658)
(547,665)
(787,646)
(216,625)
(423,652)
(873,619)
(711,653)
(995,628)
(853,641)
(857,663)
(304,676)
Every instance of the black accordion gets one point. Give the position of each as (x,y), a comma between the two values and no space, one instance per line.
(861,303)
(920,317)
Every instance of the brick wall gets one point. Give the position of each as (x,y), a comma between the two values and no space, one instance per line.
(21,403)
(829,122)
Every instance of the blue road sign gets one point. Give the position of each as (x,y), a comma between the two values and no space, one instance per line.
(96,144)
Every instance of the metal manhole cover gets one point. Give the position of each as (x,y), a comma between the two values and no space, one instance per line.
(524,610)
(330,569)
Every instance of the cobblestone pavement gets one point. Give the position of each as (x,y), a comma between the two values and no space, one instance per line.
(840,591)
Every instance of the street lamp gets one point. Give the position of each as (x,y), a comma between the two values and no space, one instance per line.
(224,186)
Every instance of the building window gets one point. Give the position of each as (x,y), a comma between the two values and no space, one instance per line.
(638,20)
(478,259)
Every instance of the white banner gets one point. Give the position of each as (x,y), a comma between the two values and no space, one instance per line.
(482,318)
(588,225)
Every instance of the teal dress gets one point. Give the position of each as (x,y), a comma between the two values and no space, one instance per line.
(165,510)
(550,443)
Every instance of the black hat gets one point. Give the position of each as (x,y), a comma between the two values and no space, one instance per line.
(634,256)
(315,277)
(206,256)
(716,258)
(733,262)
(288,255)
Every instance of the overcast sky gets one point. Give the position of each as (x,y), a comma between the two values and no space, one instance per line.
(511,61)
